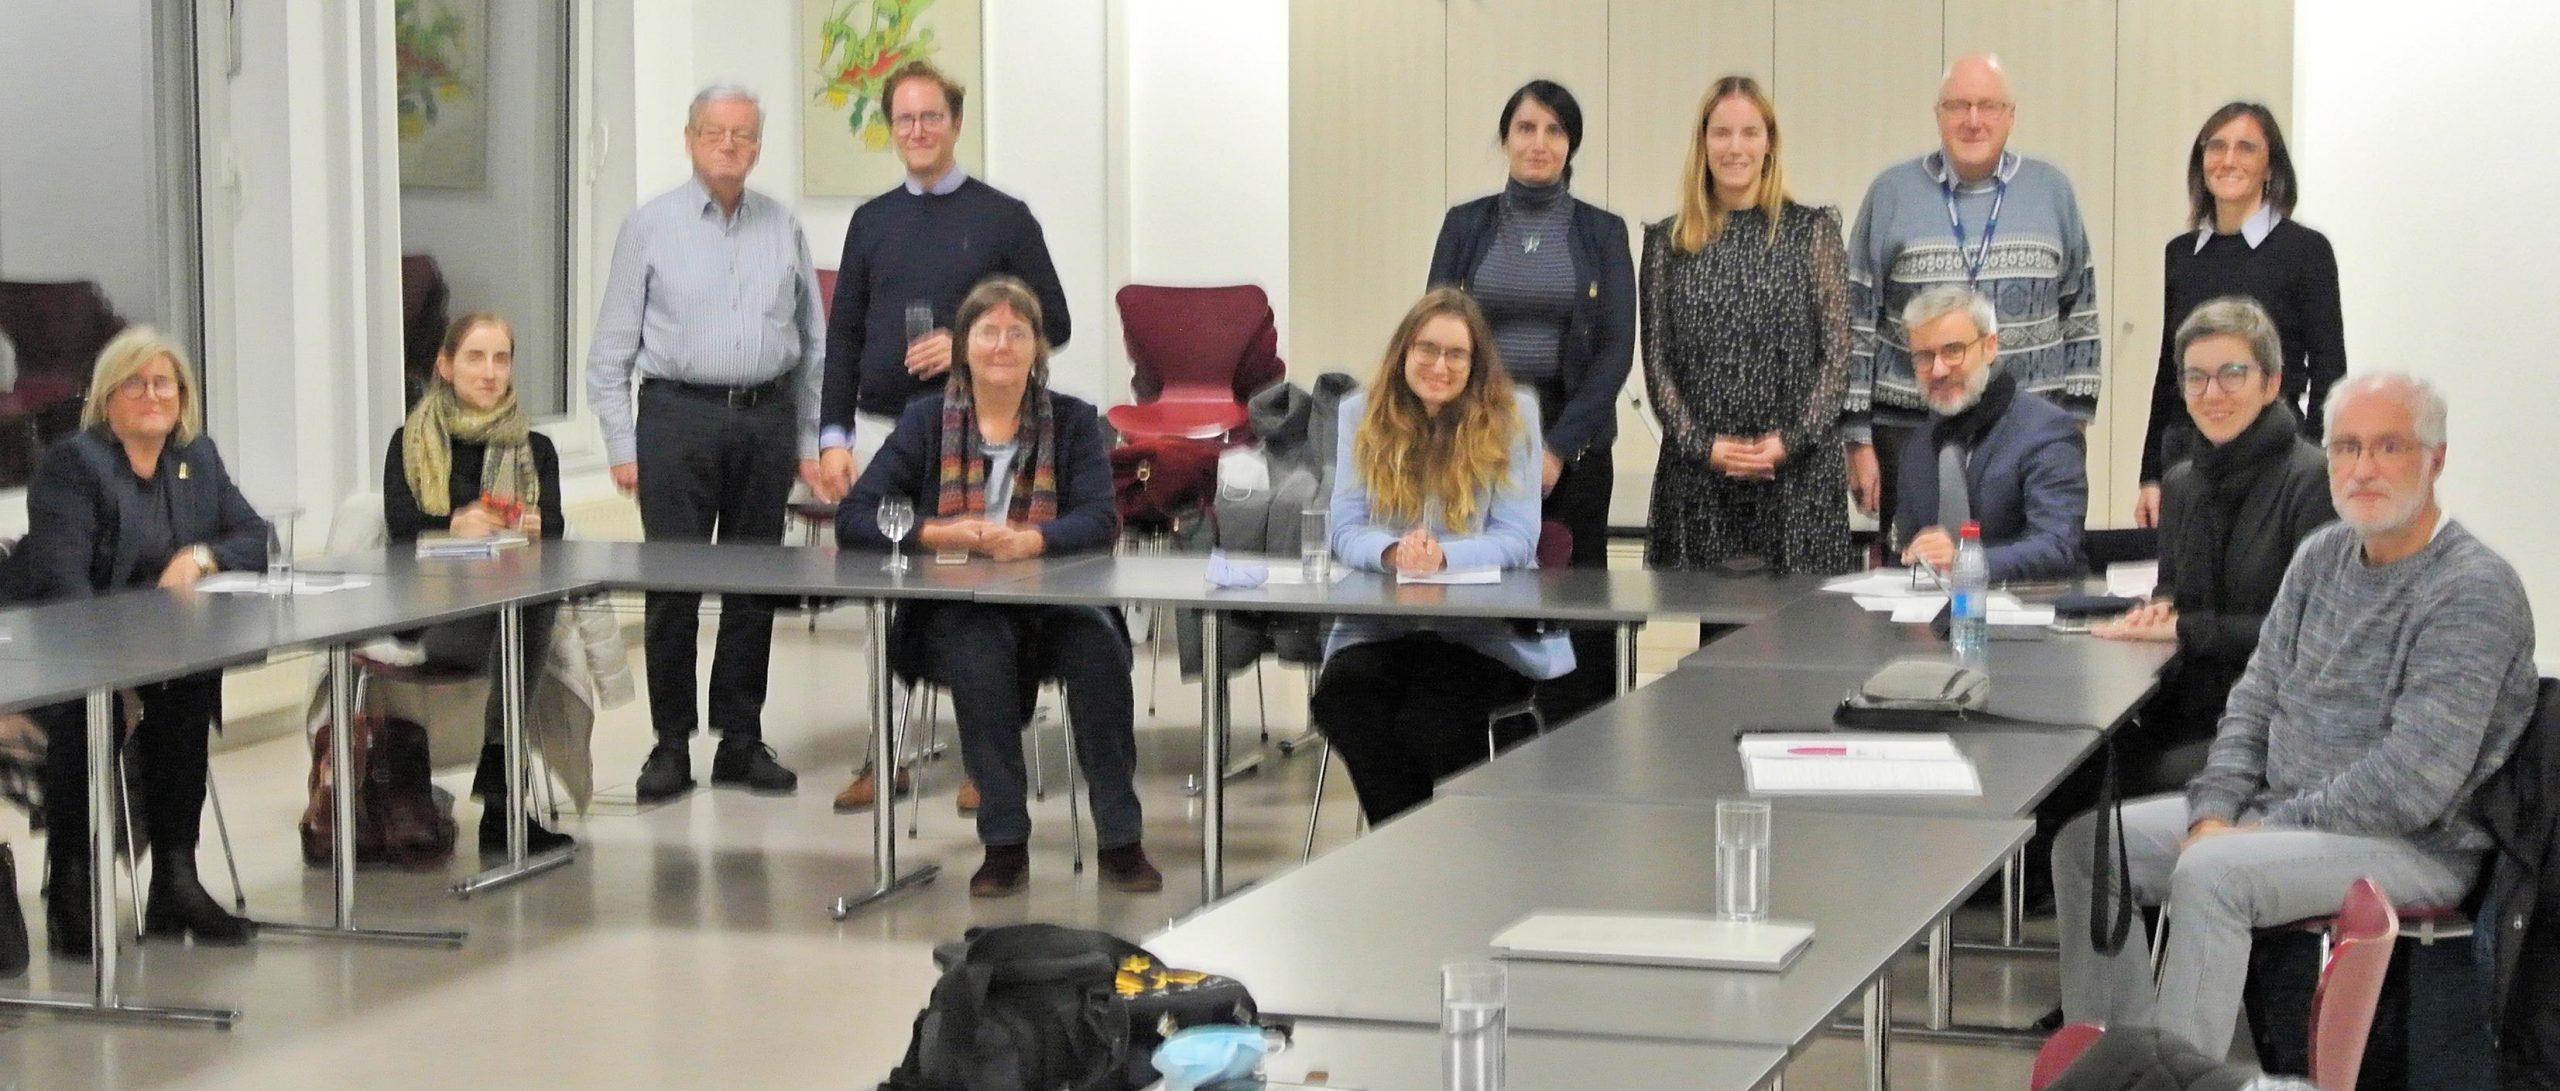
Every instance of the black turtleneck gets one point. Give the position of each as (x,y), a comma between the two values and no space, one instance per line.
(1526,283)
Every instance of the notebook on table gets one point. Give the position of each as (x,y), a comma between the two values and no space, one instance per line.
(1654,939)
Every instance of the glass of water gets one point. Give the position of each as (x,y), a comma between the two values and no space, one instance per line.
(279,577)
(1742,859)
(1475,1018)
(919,320)
(897,516)
(1315,533)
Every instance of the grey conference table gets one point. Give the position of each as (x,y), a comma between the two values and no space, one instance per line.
(149,635)
(1622,599)
(1829,630)
(1313,943)
(1360,1056)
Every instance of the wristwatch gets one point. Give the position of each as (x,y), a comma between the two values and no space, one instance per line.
(202,554)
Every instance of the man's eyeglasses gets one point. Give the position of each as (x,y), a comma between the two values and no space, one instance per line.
(2347,452)
(2232,378)
(1957,107)
(1953,352)
(745,138)
(930,119)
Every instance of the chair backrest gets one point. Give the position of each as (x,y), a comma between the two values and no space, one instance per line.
(357,525)
(2360,942)
(2059,1052)
(2106,547)
(826,292)
(1555,545)
(1199,342)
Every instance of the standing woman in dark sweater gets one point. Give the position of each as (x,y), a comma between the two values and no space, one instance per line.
(2240,191)
(137,498)
(1553,275)
(467,463)
(2231,515)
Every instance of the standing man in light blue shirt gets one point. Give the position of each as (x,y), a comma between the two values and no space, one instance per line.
(712,304)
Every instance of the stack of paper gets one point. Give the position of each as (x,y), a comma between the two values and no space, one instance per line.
(1827,762)
(2133,579)
(1654,939)
(443,546)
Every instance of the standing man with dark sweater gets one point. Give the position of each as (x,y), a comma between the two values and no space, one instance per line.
(918,247)
(1974,214)
(2393,675)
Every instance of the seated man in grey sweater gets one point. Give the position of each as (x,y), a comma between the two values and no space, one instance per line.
(1989,452)
(2394,673)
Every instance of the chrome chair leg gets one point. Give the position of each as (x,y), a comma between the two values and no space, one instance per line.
(231,860)
(1075,817)
(1315,809)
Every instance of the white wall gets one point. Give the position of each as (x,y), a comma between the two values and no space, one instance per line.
(2436,190)
(1208,145)
(80,185)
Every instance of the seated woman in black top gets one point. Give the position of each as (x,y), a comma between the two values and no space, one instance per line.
(2230,517)
(467,463)
(136,498)
(1000,466)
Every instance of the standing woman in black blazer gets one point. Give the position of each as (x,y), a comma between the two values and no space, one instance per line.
(1554,276)
(136,498)
(2241,241)
(468,463)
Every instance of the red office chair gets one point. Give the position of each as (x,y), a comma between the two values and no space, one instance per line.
(826,292)
(1197,354)
(2359,957)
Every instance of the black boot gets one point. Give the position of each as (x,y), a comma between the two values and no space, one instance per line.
(490,784)
(179,907)
(66,901)
(13,923)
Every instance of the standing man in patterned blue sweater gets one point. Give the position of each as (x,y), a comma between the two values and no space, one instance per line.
(922,245)
(1975,214)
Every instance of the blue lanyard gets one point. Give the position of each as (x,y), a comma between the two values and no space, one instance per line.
(1973,261)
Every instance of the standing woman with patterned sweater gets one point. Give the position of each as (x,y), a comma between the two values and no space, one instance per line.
(1552,274)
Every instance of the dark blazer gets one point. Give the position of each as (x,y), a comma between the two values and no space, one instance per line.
(2520,807)
(404,521)
(2282,507)
(1599,339)
(2029,484)
(82,515)
(910,466)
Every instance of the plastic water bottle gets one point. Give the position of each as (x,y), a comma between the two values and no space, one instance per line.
(1969,599)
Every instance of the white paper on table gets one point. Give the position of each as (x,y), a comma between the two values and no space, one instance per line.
(1996,604)
(1822,762)
(1890,583)
(304,583)
(1282,575)
(1880,604)
(1483,574)
(2020,615)
(1912,611)
(2133,579)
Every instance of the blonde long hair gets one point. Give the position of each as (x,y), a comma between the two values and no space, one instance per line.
(1406,456)
(130,352)
(1701,218)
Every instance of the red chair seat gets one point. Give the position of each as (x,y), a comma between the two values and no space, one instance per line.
(1170,419)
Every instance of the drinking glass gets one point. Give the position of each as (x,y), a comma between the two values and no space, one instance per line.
(1315,531)
(1742,859)
(897,516)
(279,576)
(1475,1018)
(919,320)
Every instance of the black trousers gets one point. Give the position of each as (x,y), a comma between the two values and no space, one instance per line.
(711,473)
(473,642)
(1406,712)
(990,658)
(1890,440)
(167,767)
(1581,502)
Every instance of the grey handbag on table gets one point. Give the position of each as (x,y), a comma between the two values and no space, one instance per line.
(1914,693)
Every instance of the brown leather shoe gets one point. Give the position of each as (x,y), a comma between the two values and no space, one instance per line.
(1006,871)
(967,800)
(1128,870)
(862,793)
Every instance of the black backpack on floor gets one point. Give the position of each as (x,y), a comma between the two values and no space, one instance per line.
(1038,1007)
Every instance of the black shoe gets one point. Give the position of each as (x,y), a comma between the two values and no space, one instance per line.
(13,922)
(667,773)
(179,907)
(1006,871)
(66,907)
(750,765)
(1127,869)
(537,840)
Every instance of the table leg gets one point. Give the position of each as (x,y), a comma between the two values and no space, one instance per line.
(1942,985)
(1879,1030)
(342,815)
(885,879)
(1627,657)
(102,1001)
(1213,763)
(511,698)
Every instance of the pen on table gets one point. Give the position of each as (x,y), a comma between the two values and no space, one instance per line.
(1818,751)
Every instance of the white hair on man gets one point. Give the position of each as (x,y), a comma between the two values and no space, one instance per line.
(723,92)
(1946,299)
(2425,403)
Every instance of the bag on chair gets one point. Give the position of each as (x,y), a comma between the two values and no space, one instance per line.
(398,820)
(1163,483)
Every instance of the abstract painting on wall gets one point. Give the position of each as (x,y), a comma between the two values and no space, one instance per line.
(440,52)
(848,49)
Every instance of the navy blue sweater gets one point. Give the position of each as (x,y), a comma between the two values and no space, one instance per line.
(904,248)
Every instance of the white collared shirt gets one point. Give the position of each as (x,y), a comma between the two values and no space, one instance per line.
(2253,230)
(947,185)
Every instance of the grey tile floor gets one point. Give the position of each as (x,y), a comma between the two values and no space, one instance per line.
(689,946)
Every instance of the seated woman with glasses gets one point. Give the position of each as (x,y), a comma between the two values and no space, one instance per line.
(468,463)
(2230,517)
(137,498)
(1437,468)
(1000,466)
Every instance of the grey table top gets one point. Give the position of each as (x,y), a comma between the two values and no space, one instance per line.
(1828,630)
(28,683)
(1560,594)
(1403,1057)
(705,567)
(1361,933)
(1672,742)
(161,634)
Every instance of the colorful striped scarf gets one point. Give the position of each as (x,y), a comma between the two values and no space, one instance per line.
(963,474)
